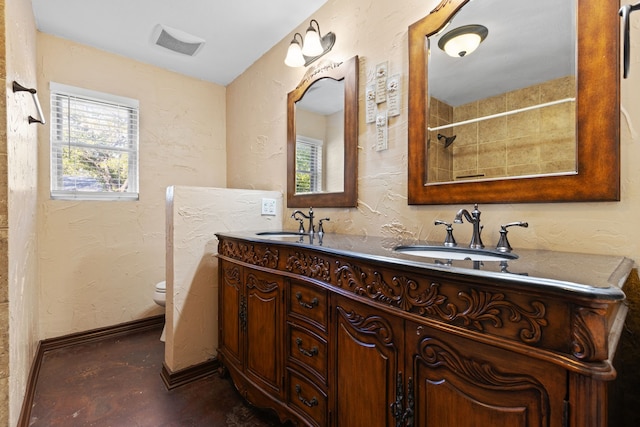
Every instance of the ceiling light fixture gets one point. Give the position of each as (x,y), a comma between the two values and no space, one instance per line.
(463,40)
(304,52)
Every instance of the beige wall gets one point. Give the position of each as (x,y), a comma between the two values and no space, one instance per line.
(20,178)
(99,261)
(377,32)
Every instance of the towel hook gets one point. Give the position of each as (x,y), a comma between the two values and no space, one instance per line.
(625,11)
(17,87)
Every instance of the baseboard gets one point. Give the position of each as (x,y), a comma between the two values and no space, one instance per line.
(185,376)
(102,333)
(27,402)
(75,339)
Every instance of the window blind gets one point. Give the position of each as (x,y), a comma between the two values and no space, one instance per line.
(308,165)
(94,145)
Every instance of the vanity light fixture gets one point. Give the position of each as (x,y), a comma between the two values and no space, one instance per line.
(304,52)
(463,40)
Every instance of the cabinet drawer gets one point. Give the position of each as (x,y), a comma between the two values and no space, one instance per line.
(308,350)
(308,303)
(307,399)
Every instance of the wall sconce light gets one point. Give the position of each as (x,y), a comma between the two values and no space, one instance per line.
(313,47)
(463,40)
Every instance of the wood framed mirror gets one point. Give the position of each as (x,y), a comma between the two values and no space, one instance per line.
(595,171)
(322,137)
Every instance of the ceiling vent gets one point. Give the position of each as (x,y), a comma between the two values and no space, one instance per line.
(176,40)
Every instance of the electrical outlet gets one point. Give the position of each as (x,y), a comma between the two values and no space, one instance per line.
(268,206)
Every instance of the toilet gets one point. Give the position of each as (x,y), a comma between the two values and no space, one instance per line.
(160,298)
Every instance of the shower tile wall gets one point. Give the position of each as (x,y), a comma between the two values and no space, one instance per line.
(531,142)
(440,167)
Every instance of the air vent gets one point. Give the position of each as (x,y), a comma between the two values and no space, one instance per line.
(176,40)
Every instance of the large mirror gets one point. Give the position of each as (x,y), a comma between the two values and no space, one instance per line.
(532,115)
(322,137)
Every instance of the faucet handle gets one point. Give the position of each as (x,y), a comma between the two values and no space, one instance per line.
(320,229)
(503,244)
(449,240)
(301,227)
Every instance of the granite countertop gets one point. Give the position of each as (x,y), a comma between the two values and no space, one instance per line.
(586,275)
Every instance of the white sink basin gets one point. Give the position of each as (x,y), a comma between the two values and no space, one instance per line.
(280,234)
(454,253)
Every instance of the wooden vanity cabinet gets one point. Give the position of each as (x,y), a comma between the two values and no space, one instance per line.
(335,340)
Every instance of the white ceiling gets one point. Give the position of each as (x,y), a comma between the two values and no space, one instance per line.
(529,42)
(236,32)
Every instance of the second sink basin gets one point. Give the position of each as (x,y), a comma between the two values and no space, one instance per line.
(455,253)
(279,234)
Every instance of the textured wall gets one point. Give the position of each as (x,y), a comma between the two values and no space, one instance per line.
(4,237)
(99,261)
(21,181)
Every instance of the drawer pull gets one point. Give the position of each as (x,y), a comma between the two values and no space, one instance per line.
(314,302)
(310,403)
(310,353)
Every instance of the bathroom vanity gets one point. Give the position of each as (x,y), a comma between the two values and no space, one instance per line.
(347,331)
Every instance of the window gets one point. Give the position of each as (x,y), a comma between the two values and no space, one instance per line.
(94,145)
(308,165)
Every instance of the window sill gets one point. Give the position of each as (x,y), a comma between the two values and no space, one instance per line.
(93,196)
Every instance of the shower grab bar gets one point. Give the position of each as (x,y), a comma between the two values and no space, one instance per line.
(625,11)
(505,113)
(17,87)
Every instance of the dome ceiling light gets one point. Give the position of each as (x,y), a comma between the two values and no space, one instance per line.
(463,40)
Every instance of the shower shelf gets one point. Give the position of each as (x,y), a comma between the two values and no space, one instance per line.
(506,113)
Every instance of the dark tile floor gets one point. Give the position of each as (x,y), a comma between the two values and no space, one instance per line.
(116,382)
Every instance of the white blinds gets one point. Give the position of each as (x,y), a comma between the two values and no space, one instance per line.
(94,145)
(308,165)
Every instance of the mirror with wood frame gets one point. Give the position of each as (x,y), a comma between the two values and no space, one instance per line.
(590,168)
(322,137)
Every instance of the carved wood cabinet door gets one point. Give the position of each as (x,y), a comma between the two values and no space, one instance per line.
(230,307)
(463,383)
(264,331)
(365,363)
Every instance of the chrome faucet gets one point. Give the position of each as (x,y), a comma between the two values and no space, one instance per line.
(295,214)
(473,218)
